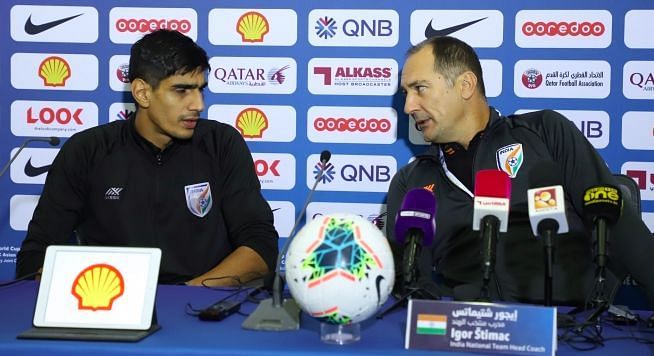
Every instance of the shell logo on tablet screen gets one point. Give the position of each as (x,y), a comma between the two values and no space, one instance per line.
(97,287)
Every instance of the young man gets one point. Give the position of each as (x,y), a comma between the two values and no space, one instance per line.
(442,80)
(165,178)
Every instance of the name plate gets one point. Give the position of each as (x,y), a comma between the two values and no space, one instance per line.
(480,327)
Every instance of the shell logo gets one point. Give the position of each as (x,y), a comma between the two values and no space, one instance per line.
(54,71)
(252,26)
(252,122)
(97,287)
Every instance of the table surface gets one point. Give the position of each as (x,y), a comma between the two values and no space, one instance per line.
(184,334)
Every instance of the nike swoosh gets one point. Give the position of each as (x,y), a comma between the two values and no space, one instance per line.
(33,29)
(32,171)
(378,281)
(432,32)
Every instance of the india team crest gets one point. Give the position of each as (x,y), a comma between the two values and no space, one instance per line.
(510,158)
(198,198)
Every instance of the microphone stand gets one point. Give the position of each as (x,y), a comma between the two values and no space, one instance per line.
(53,141)
(489,232)
(599,302)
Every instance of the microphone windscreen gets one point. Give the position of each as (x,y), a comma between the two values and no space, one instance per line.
(492,183)
(54,141)
(545,174)
(325,156)
(418,211)
(603,201)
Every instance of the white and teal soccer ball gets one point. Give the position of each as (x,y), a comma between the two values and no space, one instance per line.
(339,268)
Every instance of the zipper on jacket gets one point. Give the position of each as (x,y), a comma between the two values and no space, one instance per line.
(159,160)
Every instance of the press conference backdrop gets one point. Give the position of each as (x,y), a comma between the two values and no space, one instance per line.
(299,77)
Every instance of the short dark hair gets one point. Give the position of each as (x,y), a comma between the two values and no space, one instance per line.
(163,53)
(452,57)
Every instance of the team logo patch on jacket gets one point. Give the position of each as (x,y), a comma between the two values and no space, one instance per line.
(198,198)
(509,159)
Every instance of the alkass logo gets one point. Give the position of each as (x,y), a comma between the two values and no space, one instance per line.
(121,111)
(260,27)
(35,23)
(638,80)
(375,213)
(637,23)
(374,125)
(352,173)
(253,75)
(478,28)
(353,76)
(54,71)
(128,24)
(638,130)
(275,170)
(370,28)
(52,118)
(563,28)
(251,122)
(643,174)
(31,166)
(252,26)
(269,123)
(119,73)
(562,79)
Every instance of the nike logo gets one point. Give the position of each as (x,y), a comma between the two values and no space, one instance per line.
(32,171)
(432,32)
(378,281)
(33,29)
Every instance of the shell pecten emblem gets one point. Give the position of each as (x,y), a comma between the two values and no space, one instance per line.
(252,26)
(252,122)
(54,71)
(97,287)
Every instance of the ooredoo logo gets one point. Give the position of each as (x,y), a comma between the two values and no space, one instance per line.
(563,28)
(54,71)
(348,124)
(252,26)
(369,28)
(275,170)
(52,118)
(251,122)
(532,78)
(128,24)
(353,76)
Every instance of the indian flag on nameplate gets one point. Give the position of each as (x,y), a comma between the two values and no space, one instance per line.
(431,324)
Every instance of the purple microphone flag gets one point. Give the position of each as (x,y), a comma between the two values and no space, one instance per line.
(418,211)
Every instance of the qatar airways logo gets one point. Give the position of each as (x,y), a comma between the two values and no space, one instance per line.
(253,75)
(638,80)
(129,24)
(352,76)
(643,174)
(52,118)
(275,170)
(563,28)
(349,124)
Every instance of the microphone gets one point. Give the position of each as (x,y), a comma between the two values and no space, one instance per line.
(277,314)
(415,226)
(491,216)
(53,141)
(546,203)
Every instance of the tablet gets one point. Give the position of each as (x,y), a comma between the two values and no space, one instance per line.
(98,287)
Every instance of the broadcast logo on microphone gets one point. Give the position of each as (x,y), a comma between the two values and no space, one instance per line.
(602,195)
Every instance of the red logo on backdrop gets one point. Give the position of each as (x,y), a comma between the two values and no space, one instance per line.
(262,167)
(532,78)
(122,73)
(640,176)
(149,25)
(54,71)
(49,115)
(363,72)
(563,28)
(252,122)
(352,124)
(326,73)
(252,26)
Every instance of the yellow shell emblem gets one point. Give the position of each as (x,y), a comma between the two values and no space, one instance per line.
(252,26)
(97,287)
(252,122)
(54,71)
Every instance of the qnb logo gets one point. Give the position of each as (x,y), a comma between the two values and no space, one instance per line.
(252,26)
(54,71)
(251,122)
(326,27)
(363,173)
(563,28)
(113,193)
(149,25)
(591,128)
(643,81)
(640,176)
(48,115)
(124,114)
(262,167)
(352,124)
(363,28)
(532,78)
(328,172)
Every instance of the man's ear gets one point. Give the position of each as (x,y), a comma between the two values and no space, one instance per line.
(467,84)
(141,91)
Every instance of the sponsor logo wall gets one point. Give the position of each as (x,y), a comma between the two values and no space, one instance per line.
(295,78)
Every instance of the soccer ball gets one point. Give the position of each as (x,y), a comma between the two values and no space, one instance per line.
(339,268)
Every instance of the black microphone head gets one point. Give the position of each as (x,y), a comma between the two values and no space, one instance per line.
(603,201)
(545,174)
(54,141)
(325,156)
